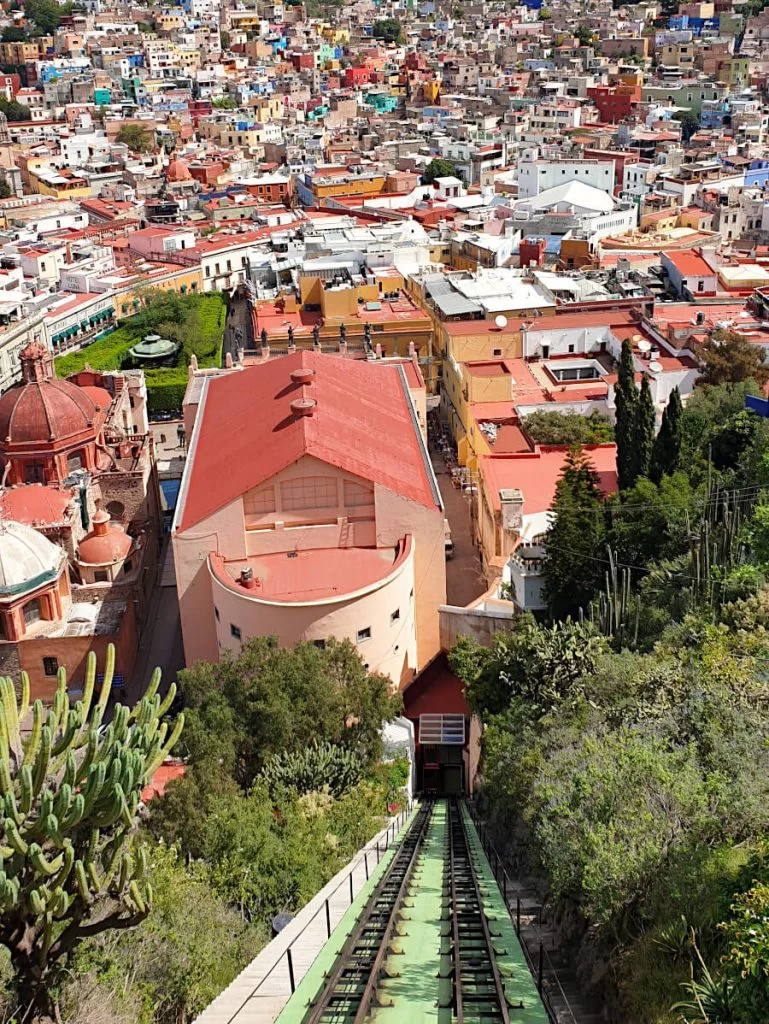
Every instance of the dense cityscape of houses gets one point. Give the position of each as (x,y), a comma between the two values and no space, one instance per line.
(433,214)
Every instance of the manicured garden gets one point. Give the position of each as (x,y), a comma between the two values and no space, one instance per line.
(196,322)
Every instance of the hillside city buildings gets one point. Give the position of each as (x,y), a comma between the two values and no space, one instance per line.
(430,221)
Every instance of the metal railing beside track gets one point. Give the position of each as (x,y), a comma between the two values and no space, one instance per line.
(541,964)
(286,958)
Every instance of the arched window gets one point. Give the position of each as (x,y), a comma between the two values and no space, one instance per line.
(33,611)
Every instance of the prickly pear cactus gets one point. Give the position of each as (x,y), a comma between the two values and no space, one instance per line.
(70,789)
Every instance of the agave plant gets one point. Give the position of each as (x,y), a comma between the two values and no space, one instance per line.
(711,1000)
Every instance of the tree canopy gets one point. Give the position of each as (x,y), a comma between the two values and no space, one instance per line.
(439,168)
(136,137)
(729,358)
(268,699)
(568,428)
(388,30)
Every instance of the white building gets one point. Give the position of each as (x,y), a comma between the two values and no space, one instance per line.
(537,175)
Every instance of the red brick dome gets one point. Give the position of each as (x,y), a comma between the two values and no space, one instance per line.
(41,408)
(106,544)
(177,170)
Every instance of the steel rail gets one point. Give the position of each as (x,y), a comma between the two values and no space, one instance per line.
(402,864)
(458,831)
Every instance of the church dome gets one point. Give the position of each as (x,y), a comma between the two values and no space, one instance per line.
(27,559)
(42,409)
(177,170)
(106,544)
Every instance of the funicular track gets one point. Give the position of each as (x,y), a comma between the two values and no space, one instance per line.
(479,994)
(350,988)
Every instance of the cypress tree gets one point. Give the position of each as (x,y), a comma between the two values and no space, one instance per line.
(573,574)
(667,444)
(625,403)
(644,430)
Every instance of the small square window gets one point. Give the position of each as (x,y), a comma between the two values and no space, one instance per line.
(363,634)
(50,666)
(571,348)
(497,351)
(235,631)
(320,643)
(394,616)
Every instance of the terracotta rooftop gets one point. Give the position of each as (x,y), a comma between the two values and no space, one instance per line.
(247,431)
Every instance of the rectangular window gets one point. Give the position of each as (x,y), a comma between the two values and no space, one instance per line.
(356,495)
(309,493)
(394,616)
(235,631)
(259,501)
(320,643)
(363,634)
(100,576)
(50,666)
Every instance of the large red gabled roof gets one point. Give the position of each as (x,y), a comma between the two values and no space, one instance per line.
(247,431)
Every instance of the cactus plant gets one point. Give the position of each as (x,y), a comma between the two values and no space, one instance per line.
(70,790)
(322,764)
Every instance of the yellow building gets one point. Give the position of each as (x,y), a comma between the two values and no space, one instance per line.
(470,340)
(61,184)
(132,294)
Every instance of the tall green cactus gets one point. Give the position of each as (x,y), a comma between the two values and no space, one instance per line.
(70,789)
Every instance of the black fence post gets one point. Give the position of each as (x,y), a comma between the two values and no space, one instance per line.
(518,915)
(291,971)
(540,967)
(328,920)
(377,851)
(351,895)
(504,887)
(365,861)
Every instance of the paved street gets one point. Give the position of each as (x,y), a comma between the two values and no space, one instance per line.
(161,645)
(238,332)
(464,578)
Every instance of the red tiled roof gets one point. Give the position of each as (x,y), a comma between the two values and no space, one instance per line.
(163,775)
(690,264)
(247,431)
(537,474)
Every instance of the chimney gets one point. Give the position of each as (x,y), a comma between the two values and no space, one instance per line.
(228,361)
(247,579)
(511,500)
(100,522)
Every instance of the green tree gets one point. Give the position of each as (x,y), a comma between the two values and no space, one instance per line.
(136,137)
(70,797)
(667,444)
(15,111)
(225,103)
(46,14)
(626,404)
(644,430)
(388,30)
(172,965)
(13,34)
(569,428)
(439,168)
(573,574)
(268,699)
(584,35)
(5,190)
(537,665)
(690,123)
(729,358)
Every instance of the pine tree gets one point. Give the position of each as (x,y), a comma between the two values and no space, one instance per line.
(644,430)
(626,402)
(667,445)
(573,573)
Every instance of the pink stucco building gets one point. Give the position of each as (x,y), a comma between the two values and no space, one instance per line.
(309,509)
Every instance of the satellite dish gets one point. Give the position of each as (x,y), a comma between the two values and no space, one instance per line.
(644,346)
(654,366)
(501,322)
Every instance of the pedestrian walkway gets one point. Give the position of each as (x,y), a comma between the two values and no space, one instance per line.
(262,989)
